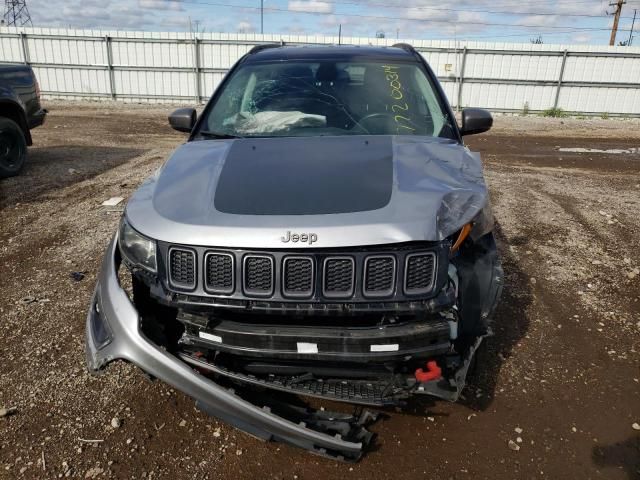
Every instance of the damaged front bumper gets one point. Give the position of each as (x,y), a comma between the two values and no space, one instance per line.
(113,333)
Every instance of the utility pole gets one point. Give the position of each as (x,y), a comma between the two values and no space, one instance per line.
(635,11)
(16,14)
(616,19)
(262,16)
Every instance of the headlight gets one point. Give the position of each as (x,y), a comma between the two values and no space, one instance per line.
(137,248)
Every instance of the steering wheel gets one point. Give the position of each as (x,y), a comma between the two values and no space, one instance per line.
(381,127)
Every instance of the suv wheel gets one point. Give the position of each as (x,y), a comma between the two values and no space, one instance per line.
(13,148)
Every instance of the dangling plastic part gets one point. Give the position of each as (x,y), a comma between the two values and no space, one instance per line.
(433,372)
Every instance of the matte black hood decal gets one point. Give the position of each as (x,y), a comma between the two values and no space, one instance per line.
(436,186)
(306,176)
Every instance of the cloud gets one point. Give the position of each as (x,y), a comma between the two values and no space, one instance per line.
(315,6)
(538,20)
(245,27)
(332,21)
(160,5)
(581,38)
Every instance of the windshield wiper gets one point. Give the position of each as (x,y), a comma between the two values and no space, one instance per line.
(208,134)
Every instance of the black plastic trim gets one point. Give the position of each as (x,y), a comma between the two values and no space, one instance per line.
(178,285)
(205,274)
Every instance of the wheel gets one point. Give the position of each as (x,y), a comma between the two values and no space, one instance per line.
(13,148)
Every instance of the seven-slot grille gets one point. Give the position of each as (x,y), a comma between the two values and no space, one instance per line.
(219,277)
(258,275)
(384,275)
(419,273)
(297,277)
(379,276)
(339,277)
(182,268)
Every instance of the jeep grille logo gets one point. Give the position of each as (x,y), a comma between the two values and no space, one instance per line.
(309,238)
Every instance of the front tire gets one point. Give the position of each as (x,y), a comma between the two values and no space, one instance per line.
(13,148)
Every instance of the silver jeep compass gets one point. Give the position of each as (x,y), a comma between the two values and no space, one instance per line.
(323,232)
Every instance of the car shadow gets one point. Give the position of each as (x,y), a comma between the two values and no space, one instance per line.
(52,168)
(622,455)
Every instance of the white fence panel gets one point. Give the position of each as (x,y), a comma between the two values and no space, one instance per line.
(11,50)
(600,100)
(170,67)
(178,54)
(67,81)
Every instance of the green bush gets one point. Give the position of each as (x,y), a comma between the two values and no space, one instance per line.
(554,112)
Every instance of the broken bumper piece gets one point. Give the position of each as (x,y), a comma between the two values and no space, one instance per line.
(113,333)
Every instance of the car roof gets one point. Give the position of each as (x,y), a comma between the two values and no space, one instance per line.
(326,52)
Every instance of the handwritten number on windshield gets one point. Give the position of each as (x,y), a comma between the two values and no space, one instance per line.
(395,86)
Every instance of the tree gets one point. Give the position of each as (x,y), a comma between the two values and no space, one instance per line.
(537,40)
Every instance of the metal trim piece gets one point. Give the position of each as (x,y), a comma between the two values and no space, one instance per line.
(345,294)
(419,291)
(307,294)
(376,293)
(259,293)
(180,285)
(205,270)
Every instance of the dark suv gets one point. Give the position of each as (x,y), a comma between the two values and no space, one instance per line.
(323,232)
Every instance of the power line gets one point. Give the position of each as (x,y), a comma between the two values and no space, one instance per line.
(463,10)
(381,17)
(446,9)
(16,13)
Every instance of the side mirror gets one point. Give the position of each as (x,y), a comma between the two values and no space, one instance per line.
(183,119)
(475,120)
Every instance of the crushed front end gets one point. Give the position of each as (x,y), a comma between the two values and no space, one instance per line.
(365,325)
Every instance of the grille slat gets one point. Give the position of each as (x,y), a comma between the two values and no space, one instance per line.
(419,274)
(379,276)
(298,277)
(339,276)
(258,275)
(219,276)
(182,268)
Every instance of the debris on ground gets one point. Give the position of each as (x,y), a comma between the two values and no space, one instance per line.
(112,202)
(5,412)
(93,472)
(77,276)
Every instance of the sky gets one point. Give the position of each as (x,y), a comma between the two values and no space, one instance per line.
(554,21)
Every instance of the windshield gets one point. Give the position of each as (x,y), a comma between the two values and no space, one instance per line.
(327,98)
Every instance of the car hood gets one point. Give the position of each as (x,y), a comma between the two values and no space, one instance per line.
(346,191)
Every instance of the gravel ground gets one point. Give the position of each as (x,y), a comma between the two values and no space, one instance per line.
(556,395)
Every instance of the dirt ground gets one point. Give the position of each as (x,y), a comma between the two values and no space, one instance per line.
(560,378)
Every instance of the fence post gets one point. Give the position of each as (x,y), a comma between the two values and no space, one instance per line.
(564,61)
(461,77)
(196,68)
(25,48)
(112,80)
